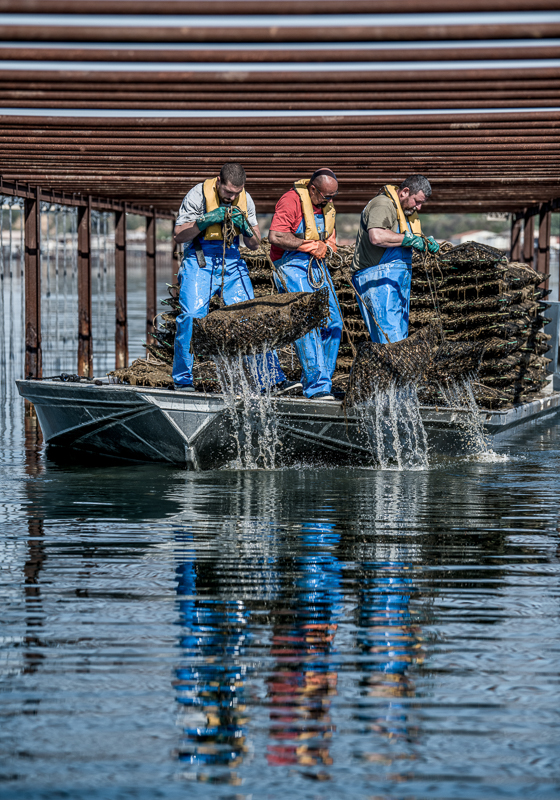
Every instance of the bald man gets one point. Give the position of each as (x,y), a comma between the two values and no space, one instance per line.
(301,232)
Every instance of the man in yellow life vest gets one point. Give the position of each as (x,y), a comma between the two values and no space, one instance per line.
(301,232)
(204,273)
(382,265)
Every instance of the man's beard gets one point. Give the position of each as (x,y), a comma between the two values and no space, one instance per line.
(408,212)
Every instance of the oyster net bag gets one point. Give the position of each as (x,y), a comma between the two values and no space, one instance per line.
(143,372)
(420,359)
(273,321)
(472,254)
(377,366)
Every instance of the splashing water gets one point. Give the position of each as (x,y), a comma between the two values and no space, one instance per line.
(391,423)
(246,383)
(460,396)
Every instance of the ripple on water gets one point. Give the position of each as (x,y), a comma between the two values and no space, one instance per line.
(251,633)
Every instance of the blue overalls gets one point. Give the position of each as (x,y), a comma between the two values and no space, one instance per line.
(317,350)
(385,293)
(197,287)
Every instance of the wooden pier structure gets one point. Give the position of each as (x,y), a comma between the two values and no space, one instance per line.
(123,106)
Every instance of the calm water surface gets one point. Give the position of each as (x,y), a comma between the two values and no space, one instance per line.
(307,633)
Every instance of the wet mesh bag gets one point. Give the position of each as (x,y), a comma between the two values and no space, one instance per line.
(452,361)
(418,359)
(271,321)
(472,253)
(377,366)
(143,373)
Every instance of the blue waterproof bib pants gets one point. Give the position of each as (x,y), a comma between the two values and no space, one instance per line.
(197,286)
(384,292)
(317,350)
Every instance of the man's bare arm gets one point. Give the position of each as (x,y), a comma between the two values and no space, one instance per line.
(252,242)
(284,239)
(186,232)
(382,237)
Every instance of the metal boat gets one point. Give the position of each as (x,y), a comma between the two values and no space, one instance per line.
(194,430)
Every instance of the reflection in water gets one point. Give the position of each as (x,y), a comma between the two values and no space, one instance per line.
(390,645)
(211,678)
(304,679)
(288,652)
(34,646)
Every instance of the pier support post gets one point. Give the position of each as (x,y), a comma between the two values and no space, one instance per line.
(528,238)
(85,349)
(515,249)
(543,252)
(121,321)
(32,278)
(151,277)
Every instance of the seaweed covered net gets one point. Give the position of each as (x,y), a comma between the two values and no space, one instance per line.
(144,372)
(421,360)
(494,303)
(273,321)
(471,254)
(477,300)
(379,366)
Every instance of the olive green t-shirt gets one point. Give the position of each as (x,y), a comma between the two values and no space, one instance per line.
(379,213)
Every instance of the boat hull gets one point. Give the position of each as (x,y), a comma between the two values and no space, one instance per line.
(194,430)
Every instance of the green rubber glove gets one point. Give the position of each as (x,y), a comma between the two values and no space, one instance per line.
(240,222)
(433,246)
(411,240)
(211,218)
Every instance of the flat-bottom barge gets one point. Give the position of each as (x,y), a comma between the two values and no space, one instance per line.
(194,430)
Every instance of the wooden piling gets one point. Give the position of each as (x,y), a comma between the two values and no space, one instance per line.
(543,251)
(85,343)
(528,238)
(32,222)
(121,322)
(151,276)
(515,249)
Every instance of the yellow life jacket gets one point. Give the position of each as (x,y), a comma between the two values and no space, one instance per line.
(214,232)
(329,213)
(414,219)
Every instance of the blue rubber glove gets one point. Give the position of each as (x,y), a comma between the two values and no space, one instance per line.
(411,240)
(240,222)
(433,246)
(211,218)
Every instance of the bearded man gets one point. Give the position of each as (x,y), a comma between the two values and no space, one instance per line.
(382,266)
(205,271)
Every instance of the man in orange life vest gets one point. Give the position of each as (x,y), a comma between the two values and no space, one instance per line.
(199,228)
(301,232)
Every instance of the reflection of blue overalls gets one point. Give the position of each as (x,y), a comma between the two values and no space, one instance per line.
(210,682)
(320,599)
(317,351)
(197,286)
(385,634)
(307,669)
(385,293)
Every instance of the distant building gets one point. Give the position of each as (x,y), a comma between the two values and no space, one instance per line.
(499,240)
